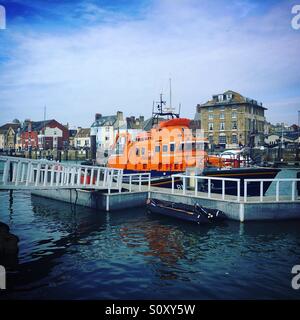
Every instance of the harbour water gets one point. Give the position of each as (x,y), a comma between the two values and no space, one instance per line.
(130,254)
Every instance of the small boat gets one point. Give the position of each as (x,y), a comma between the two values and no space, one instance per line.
(196,213)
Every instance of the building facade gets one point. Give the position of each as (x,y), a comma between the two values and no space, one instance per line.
(105,129)
(72,134)
(133,126)
(230,120)
(82,139)
(44,135)
(8,135)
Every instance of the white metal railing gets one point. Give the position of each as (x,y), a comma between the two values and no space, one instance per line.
(137,179)
(45,174)
(261,182)
(209,185)
(214,195)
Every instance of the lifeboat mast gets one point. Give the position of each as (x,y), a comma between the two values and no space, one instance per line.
(163,112)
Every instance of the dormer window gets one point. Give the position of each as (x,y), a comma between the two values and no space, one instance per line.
(229,96)
(220,97)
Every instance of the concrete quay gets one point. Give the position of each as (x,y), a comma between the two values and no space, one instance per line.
(242,211)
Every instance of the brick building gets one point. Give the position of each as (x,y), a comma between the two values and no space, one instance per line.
(48,134)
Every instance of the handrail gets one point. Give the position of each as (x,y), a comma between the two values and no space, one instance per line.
(245,198)
(209,193)
(45,174)
(147,176)
(277,187)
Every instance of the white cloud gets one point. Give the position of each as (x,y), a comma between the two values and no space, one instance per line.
(125,63)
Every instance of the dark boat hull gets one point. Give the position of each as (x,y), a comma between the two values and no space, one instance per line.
(189,213)
(164,180)
(253,188)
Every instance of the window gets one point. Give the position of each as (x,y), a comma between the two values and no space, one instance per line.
(172,147)
(181,147)
(222,139)
(143,151)
(188,146)
(234,125)
(234,114)
(210,109)
(220,97)
(200,146)
(210,116)
(222,125)
(165,148)
(137,151)
(211,139)
(229,96)
(222,116)
(157,148)
(234,139)
(210,126)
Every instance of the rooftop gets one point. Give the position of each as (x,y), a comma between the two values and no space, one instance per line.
(230,97)
(14,126)
(83,133)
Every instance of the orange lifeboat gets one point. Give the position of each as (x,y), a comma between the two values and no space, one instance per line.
(178,122)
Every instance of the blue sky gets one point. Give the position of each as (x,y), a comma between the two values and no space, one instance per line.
(88,56)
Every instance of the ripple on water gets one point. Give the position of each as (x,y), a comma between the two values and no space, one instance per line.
(131,254)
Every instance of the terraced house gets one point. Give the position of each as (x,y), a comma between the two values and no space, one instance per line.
(8,135)
(230,120)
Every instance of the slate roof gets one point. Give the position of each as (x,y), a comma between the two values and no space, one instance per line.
(105,121)
(36,125)
(83,133)
(237,98)
(14,126)
(72,133)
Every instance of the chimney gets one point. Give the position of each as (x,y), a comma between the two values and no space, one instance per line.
(119,115)
(98,116)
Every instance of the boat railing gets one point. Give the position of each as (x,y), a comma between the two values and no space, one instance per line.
(208,194)
(286,196)
(137,179)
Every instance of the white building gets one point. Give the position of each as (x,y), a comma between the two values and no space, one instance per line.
(82,138)
(105,129)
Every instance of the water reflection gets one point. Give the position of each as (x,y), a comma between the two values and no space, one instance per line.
(64,229)
(132,254)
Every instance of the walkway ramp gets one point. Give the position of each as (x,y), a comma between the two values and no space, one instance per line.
(28,174)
